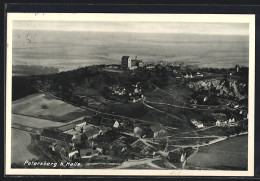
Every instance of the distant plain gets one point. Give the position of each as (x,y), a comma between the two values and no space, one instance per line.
(69,50)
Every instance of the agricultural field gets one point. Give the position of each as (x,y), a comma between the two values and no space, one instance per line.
(230,154)
(33,122)
(44,106)
(20,141)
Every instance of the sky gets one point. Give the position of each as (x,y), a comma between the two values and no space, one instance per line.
(137,27)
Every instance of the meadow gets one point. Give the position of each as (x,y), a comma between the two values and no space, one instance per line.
(19,143)
(28,121)
(230,154)
(44,106)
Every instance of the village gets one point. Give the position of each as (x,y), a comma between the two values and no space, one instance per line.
(100,138)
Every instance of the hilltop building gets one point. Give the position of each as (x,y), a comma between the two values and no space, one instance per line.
(130,64)
(125,62)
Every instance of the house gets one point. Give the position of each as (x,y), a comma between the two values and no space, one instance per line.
(80,123)
(76,136)
(150,66)
(236,106)
(51,136)
(116,124)
(199,74)
(138,132)
(221,117)
(72,154)
(232,120)
(92,133)
(153,131)
(205,99)
(196,123)
(221,123)
(218,123)
(139,63)
(65,152)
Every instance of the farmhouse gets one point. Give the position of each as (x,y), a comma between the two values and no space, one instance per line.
(55,136)
(197,124)
(154,131)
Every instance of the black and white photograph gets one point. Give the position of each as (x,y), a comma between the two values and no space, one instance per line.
(130,94)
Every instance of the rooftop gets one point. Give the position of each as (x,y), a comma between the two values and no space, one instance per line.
(123,57)
(67,127)
(156,128)
(56,135)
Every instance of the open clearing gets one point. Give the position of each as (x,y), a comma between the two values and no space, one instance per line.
(20,141)
(47,107)
(229,154)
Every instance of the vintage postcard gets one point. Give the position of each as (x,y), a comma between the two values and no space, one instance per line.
(130,94)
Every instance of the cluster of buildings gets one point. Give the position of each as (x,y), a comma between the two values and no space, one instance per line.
(73,141)
(98,136)
(222,120)
(134,128)
(134,92)
(130,64)
(189,75)
(180,70)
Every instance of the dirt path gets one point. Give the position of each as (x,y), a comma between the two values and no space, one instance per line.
(183,107)
(158,110)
